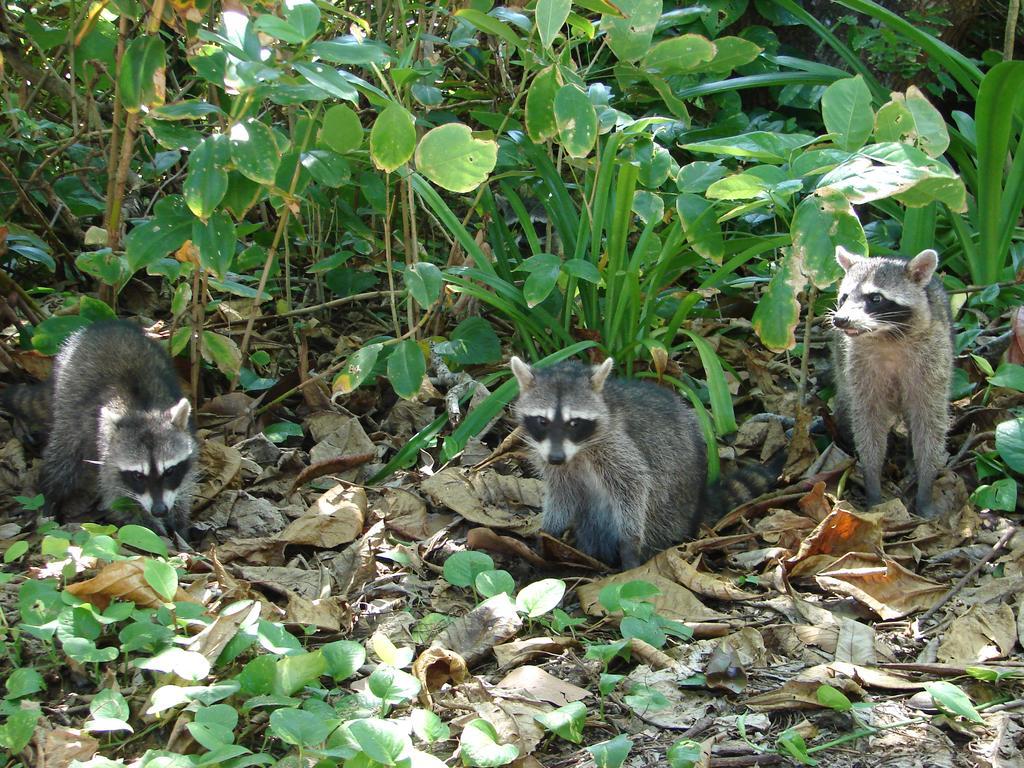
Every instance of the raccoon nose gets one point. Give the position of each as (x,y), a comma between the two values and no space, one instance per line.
(840,322)
(556,456)
(159,508)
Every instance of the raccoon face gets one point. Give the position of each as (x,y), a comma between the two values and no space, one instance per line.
(149,456)
(561,408)
(883,296)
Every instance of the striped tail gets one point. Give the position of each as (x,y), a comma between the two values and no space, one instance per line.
(746,482)
(30,406)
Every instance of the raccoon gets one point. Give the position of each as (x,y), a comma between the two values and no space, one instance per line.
(624,462)
(893,359)
(118,427)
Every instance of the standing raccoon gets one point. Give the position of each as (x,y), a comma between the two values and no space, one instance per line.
(624,462)
(118,427)
(893,357)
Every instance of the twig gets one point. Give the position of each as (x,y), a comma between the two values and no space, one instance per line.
(1003,541)
(310,310)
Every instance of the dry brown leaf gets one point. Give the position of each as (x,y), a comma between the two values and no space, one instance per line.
(802,451)
(703,583)
(436,667)
(811,645)
(337,518)
(984,633)
(802,691)
(686,705)
(356,565)
(220,464)
(406,514)
(748,646)
(651,656)
(535,683)
(487,498)
(489,541)
(58,747)
(520,651)
(856,643)
(842,531)
(815,504)
(880,583)
(724,671)
(329,613)
(513,719)
(264,550)
(674,602)
(122,580)
(472,636)
(219,632)
(784,528)
(557,551)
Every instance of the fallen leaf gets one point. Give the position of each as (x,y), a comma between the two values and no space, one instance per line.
(436,667)
(406,514)
(984,633)
(472,636)
(520,651)
(535,683)
(337,518)
(121,580)
(842,531)
(487,498)
(880,583)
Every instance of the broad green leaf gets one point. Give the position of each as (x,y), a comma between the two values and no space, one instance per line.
(277,432)
(303,15)
(473,342)
(540,105)
(189,665)
(754,184)
(685,753)
(719,14)
(550,15)
(357,369)
(912,117)
(718,388)
(350,51)
(393,686)
(643,699)
(295,672)
(701,227)
(576,119)
(833,698)
(1008,375)
(611,753)
(630,35)
(756,145)
(451,157)
(142,539)
(846,110)
(162,578)
(540,597)
(424,281)
(478,746)
(23,682)
(167,231)
(1000,495)
(328,79)
(406,368)
(382,740)
(951,698)
(17,731)
(278,28)
(341,130)
(1010,444)
(389,653)
(254,151)
(567,721)
(697,176)
(298,727)
(462,568)
(732,52)
(105,265)
(492,26)
(544,269)
(679,55)
(51,333)
(822,222)
(142,73)
(490,583)
(776,315)
(392,138)
(215,240)
(223,352)
(326,167)
(428,726)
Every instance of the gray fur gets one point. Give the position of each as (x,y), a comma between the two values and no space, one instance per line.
(116,407)
(633,487)
(890,368)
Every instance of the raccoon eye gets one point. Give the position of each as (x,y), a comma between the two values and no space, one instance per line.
(573,423)
(542,421)
(874,298)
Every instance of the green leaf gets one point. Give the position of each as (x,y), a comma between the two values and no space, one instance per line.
(544,269)
(1008,375)
(822,222)
(643,699)
(109,711)
(328,79)
(428,726)
(326,167)
(188,109)
(1010,444)
(162,578)
(424,281)
(105,265)
(540,105)
(215,240)
(608,683)
(142,539)
(846,110)
(393,686)
(392,138)
(254,151)
(776,315)
(630,35)
(611,753)
(357,369)
(223,352)
(833,698)
(540,597)
(718,388)
(576,119)
(756,145)
(23,682)
(1001,495)
(549,16)
(492,26)
(15,551)
(143,64)
(278,28)
(462,568)
(304,16)
(341,130)
(299,728)
(452,158)
(567,721)
(478,746)
(189,665)
(491,583)
(473,342)
(167,231)
(406,368)
(679,55)
(16,733)
(382,740)
(791,743)
(295,672)
(701,227)
(732,52)
(951,698)
(912,118)
(281,431)
(685,753)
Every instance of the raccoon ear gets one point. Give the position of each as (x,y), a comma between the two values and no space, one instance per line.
(845,258)
(921,268)
(600,374)
(522,373)
(179,414)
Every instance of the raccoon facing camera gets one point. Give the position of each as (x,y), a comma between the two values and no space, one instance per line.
(893,359)
(118,427)
(624,463)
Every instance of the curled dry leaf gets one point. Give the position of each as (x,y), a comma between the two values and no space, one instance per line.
(802,691)
(489,541)
(651,656)
(855,643)
(534,683)
(521,651)
(725,672)
(220,464)
(219,632)
(815,504)
(436,667)
(122,580)
(487,498)
(356,565)
(703,583)
(880,583)
(61,746)
(337,518)
(264,550)
(472,636)
(406,514)
(557,551)
(842,531)
(785,528)
(984,633)
(331,466)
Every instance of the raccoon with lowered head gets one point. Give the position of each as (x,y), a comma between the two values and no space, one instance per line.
(893,359)
(118,426)
(624,462)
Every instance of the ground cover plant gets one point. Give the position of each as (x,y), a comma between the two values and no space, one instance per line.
(343,219)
